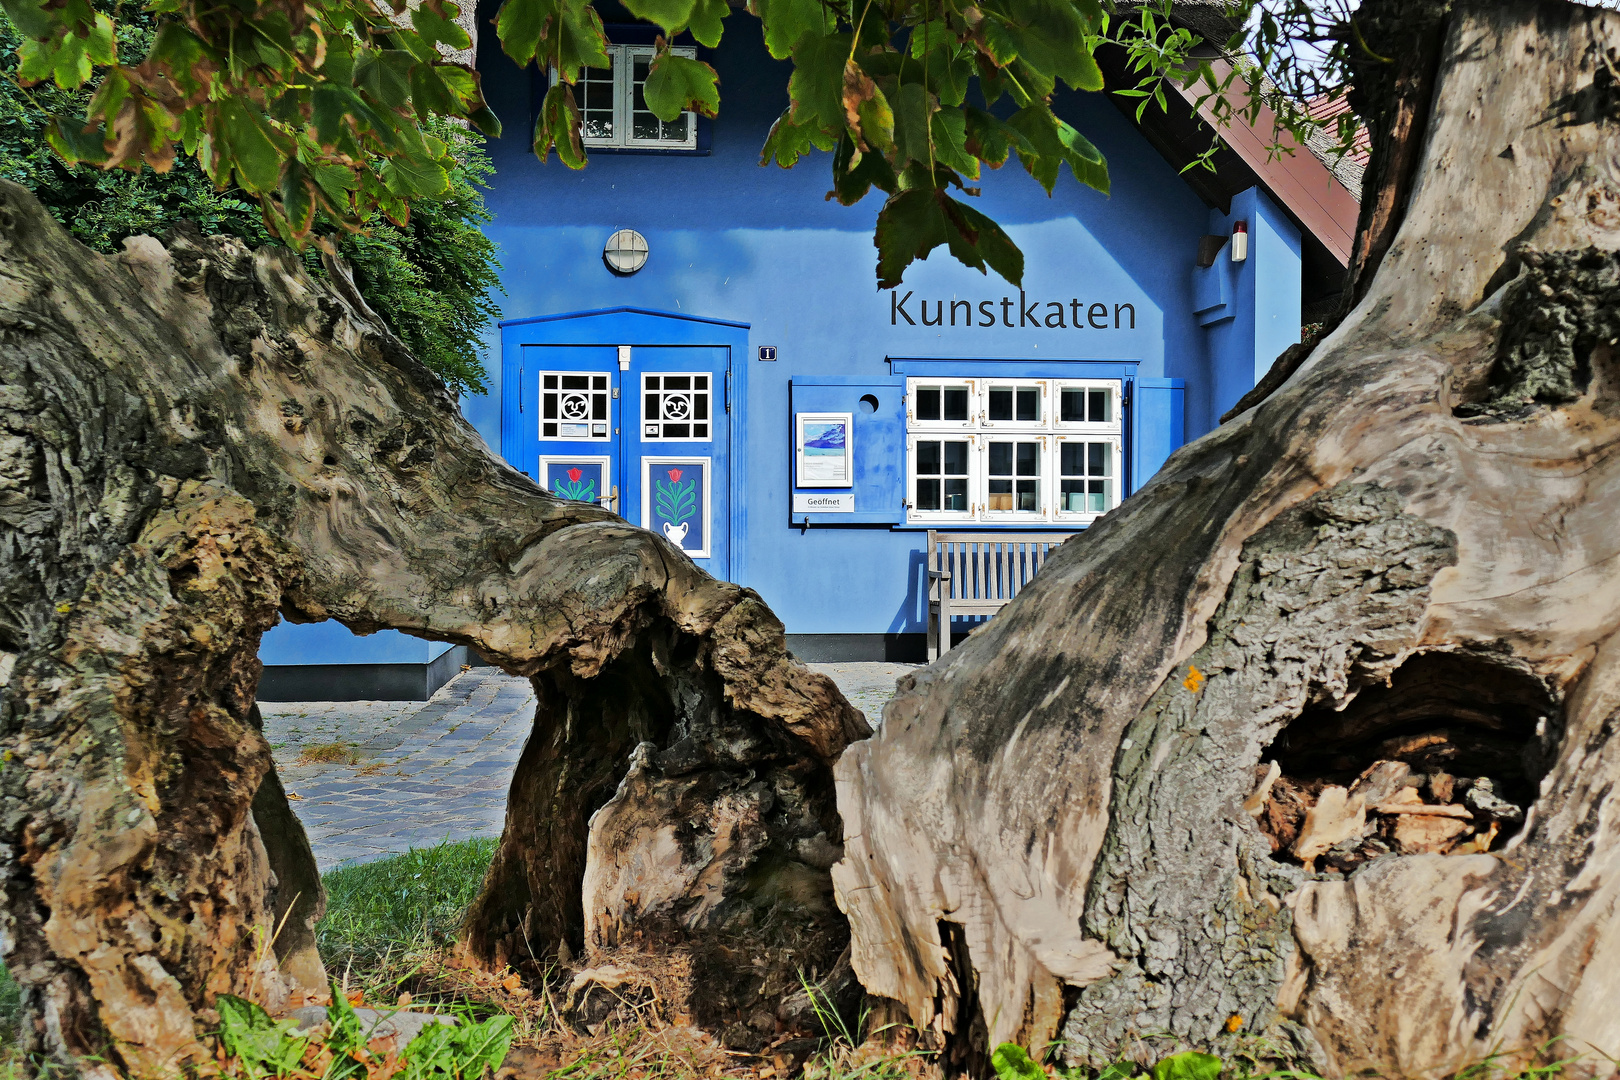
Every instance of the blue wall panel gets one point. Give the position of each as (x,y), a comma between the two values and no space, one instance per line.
(333,643)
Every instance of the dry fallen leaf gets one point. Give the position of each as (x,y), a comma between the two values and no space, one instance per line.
(512,982)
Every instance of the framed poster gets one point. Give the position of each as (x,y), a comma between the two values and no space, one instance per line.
(581,479)
(825,446)
(675,501)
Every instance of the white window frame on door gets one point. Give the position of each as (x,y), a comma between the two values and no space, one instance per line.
(641,408)
(540,407)
(708,491)
(623,59)
(608,498)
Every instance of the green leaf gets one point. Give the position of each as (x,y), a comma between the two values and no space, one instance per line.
(855,173)
(786,21)
(676,83)
(672,15)
(558,125)
(408,176)
(297,199)
(706,19)
(248,146)
(69,60)
(817,85)
(1119,1070)
(1053,142)
(991,139)
(867,109)
(76,141)
(263,1047)
(912,107)
(1188,1066)
(914,222)
(789,141)
(32,19)
(440,27)
(519,25)
(1012,1063)
(429,93)
(950,143)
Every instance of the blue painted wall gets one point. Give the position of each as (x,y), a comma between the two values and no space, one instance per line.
(735,241)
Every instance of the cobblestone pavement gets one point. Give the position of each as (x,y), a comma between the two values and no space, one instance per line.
(412,774)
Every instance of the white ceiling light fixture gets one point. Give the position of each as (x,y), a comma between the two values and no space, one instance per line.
(626,252)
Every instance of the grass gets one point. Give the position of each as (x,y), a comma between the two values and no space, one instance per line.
(384,918)
(332,753)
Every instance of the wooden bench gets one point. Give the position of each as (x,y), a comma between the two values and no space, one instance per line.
(977,573)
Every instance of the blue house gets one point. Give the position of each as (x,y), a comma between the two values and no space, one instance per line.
(697,342)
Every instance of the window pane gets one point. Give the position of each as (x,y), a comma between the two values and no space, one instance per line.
(956,403)
(928,458)
(928,403)
(927,494)
(1072,409)
(1028,461)
(1097,459)
(1001,404)
(1071,459)
(1001,459)
(1029,403)
(675,130)
(1029,496)
(1098,412)
(956,458)
(956,495)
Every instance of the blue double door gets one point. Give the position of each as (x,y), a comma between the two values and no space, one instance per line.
(642,430)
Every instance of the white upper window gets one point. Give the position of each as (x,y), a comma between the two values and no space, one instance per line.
(675,408)
(1012,451)
(573,405)
(613,110)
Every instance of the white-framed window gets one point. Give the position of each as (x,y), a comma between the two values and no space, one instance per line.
(1015,471)
(1012,452)
(1087,476)
(574,406)
(941,469)
(1088,405)
(942,404)
(675,407)
(613,109)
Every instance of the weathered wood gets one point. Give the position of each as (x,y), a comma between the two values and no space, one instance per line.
(1415,534)
(194,437)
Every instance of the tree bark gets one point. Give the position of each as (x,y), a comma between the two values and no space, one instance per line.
(194,437)
(1407,554)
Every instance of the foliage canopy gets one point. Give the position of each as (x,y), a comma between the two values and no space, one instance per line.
(324,106)
(430,278)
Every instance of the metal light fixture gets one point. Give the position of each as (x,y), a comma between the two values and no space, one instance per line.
(626,252)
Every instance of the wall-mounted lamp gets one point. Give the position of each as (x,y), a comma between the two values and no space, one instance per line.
(625,252)
(1240,241)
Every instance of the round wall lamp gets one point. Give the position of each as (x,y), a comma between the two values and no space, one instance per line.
(625,252)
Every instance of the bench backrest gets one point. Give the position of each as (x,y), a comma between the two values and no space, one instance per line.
(989,568)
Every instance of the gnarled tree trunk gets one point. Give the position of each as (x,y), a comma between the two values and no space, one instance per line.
(194,437)
(1396,576)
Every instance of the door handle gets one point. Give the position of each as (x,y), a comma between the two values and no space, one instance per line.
(611,499)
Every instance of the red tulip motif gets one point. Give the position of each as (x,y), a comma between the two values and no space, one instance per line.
(674,476)
(574,475)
